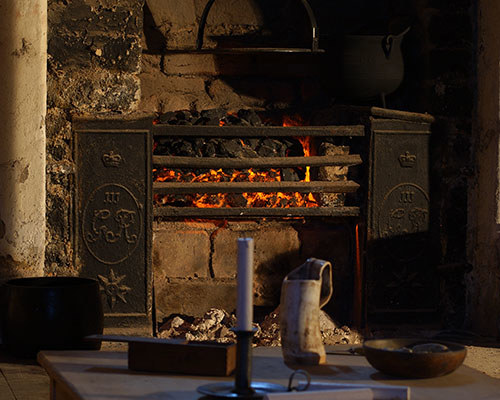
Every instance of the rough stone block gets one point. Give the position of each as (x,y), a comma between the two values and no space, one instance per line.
(172,11)
(107,51)
(236,93)
(81,16)
(177,20)
(186,64)
(87,33)
(161,93)
(276,252)
(332,174)
(194,297)
(181,252)
(58,130)
(93,90)
(57,124)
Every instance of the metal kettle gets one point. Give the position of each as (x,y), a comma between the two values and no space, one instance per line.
(371,65)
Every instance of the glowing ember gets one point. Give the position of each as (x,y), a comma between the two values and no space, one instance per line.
(295,120)
(272,200)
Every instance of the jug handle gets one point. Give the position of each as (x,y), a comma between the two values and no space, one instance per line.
(324,272)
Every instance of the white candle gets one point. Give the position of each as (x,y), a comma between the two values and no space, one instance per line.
(244,306)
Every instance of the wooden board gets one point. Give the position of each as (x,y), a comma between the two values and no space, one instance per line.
(176,355)
(261,162)
(212,359)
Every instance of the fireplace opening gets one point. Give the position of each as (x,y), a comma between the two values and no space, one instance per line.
(276,179)
(123,64)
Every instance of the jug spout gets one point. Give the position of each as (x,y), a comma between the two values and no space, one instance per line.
(304,291)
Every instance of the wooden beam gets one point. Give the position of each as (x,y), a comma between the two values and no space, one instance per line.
(237,212)
(257,131)
(260,162)
(254,187)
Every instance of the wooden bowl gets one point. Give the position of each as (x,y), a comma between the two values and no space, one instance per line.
(388,356)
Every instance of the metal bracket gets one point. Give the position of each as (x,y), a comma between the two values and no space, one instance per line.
(312,18)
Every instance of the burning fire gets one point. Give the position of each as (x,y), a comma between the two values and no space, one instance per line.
(306,142)
(271,200)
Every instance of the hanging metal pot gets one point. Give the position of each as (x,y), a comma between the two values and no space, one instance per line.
(371,65)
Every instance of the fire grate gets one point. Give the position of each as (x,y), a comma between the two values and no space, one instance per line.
(241,132)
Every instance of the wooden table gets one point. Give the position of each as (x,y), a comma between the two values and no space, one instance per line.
(99,375)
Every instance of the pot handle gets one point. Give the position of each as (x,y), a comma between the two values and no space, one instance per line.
(305,3)
(388,41)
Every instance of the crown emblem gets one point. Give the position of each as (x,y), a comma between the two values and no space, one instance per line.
(407,160)
(112,160)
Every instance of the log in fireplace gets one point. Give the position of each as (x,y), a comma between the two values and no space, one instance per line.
(387,208)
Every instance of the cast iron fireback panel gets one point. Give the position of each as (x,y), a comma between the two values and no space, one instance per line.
(400,266)
(113,210)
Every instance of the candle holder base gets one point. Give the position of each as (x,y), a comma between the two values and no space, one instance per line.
(227,390)
(243,387)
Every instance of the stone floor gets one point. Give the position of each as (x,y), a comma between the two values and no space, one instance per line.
(26,380)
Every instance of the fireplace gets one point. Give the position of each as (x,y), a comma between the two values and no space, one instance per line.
(193,252)
(160,205)
(112,61)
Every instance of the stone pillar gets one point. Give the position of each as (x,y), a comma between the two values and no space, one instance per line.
(23,42)
(483,283)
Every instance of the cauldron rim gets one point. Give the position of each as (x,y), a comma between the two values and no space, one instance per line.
(50,282)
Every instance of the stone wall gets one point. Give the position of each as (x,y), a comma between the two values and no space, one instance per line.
(447,76)
(174,81)
(94,58)
(483,282)
(194,263)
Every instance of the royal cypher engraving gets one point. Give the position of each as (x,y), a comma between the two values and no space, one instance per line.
(405,210)
(111,223)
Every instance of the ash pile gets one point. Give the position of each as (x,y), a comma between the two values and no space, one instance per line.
(216,326)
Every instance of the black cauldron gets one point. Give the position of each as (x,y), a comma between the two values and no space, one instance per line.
(371,65)
(50,313)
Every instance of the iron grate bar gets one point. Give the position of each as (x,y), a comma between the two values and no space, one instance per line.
(261,162)
(237,212)
(254,187)
(257,131)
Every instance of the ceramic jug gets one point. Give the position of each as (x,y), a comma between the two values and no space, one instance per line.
(304,291)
